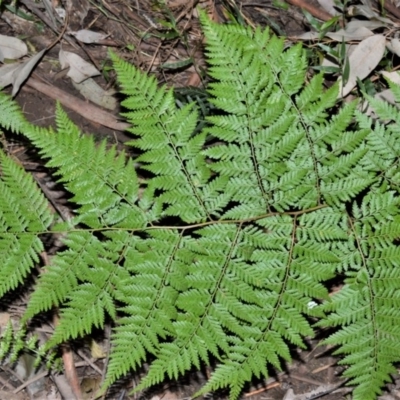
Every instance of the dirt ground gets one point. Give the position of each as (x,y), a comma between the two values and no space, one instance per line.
(164,39)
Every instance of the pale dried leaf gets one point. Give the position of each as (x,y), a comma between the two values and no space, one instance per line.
(318,392)
(96,350)
(79,69)
(12,48)
(289,395)
(307,36)
(393,76)
(386,95)
(347,34)
(88,36)
(327,62)
(368,12)
(329,6)
(394,46)
(24,70)
(50,12)
(96,94)
(363,60)
(356,23)
(6,74)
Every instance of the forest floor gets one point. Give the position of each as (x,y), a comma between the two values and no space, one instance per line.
(164,39)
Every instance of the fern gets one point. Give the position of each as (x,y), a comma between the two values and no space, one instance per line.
(236,229)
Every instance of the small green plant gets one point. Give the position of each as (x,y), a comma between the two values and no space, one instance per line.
(224,249)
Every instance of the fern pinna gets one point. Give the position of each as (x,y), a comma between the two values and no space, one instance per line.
(227,244)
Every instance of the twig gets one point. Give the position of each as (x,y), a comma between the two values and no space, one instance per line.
(35,10)
(389,6)
(29,381)
(316,12)
(89,362)
(88,111)
(308,380)
(258,391)
(70,371)
(6,384)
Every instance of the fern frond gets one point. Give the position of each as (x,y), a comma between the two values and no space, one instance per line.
(366,307)
(383,144)
(278,314)
(150,295)
(12,117)
(171,150)
(104,184)
(279,192)
(24,215)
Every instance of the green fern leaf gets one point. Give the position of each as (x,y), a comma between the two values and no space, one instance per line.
(24,215)
(221,250)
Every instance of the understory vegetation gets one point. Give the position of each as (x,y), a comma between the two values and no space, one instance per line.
(221,239)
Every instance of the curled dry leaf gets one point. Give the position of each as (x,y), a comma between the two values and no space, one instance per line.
(363,60)
(17,73)
(79,69)
(12,48)
(22,73)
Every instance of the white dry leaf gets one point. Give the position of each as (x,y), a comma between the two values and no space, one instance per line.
(90,90)
(12,48)
(367,11)
(347,34)
(393,76)
(50,12)
(362,61)
(370,24)
(21,74)
(331,62)
(329,6)
(386,95)
(79,69)
(289,395)
(6,74)
(316,393)
(394,46)
(61,13)
(307,36)
(327,62)
(88,36)
(17,73)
